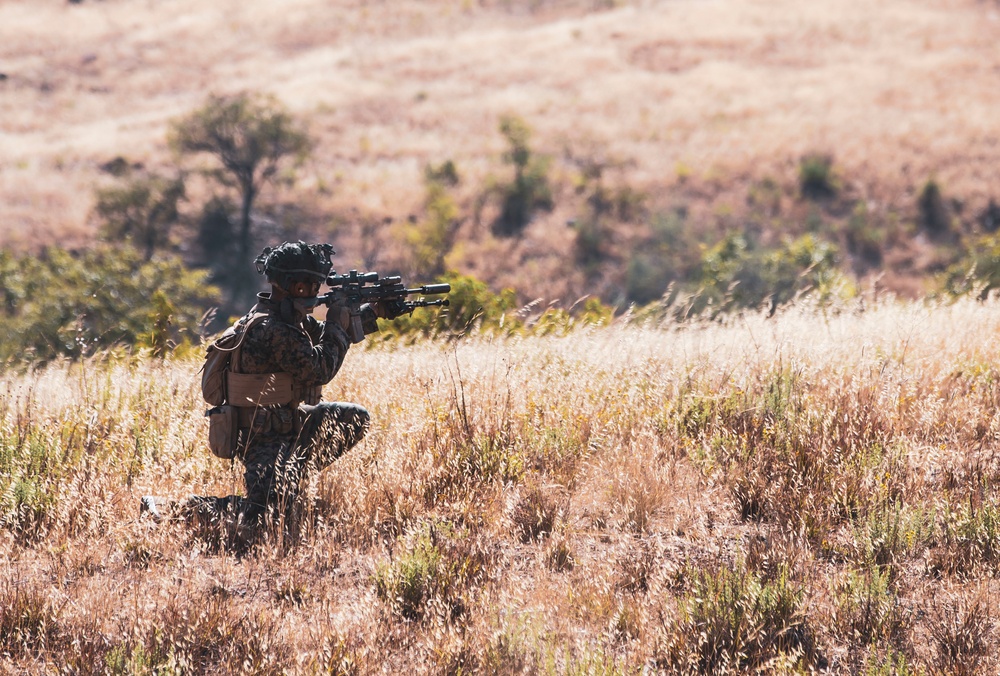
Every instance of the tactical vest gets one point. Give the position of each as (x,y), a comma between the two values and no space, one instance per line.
(223,383)
(241,400)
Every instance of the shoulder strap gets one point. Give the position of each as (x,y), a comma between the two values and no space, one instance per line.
(243,326)
(234,359)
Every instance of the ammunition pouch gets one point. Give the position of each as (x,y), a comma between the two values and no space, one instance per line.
(274,420)
(226,422)
(309,394)
(223,431)
(258,389)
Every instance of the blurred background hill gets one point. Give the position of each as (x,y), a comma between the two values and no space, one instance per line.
(662,130)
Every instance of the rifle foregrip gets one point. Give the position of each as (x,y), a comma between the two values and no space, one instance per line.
(356,331)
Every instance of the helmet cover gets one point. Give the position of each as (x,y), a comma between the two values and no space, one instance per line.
(295,261)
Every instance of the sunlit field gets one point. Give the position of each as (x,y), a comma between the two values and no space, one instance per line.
(814,491)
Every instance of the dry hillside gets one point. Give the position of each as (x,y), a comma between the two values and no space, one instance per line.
(688,97)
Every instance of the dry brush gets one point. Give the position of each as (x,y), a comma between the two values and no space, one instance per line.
(810,491)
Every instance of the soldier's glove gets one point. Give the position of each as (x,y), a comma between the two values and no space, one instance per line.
(340,316)
(388,309)
(337,326)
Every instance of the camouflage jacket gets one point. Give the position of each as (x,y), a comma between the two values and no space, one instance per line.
(311,351)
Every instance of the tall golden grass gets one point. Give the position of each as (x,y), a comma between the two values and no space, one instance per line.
(815,490)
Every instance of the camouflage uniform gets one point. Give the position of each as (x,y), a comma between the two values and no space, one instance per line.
(281,443)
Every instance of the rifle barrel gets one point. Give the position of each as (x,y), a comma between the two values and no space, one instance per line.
(431,289)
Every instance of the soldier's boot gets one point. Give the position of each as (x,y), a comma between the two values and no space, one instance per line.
(153,506)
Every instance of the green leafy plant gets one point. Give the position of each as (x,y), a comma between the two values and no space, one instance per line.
(668,254)
(471,305)
(432,573)
(529,190)
(141,211)
(735,273)
(931,209)
(732,621)
(816,176)
(65,304)
(868,608)
(978,272)
(969,541)
(408,582)
(431,238)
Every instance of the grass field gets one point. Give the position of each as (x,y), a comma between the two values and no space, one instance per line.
(815,491)
(810,492)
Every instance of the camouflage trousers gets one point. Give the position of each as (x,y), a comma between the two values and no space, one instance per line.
(276,465)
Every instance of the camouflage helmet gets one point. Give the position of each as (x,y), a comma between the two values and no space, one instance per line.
(295,261)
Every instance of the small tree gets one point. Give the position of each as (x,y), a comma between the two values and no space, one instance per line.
(142,211)
(816,176)
(530,190)
(251,136)
(431,239)
(933,214)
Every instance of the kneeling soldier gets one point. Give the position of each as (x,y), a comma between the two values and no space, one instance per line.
(282,429)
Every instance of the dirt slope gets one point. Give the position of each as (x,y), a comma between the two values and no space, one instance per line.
(898,90)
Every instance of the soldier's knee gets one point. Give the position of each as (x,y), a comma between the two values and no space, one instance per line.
(362,417)
(354,415)
(354,420)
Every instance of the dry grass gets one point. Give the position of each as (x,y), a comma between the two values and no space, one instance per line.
(697,99)
(810,491)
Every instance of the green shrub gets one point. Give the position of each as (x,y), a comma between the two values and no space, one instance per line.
(72,305)
(603,204)
(816,176)
(868,610)
(890,533)
(529,191)
(407,583)
(445,173)
(865,239)
(216,235)
(471,305)
(590,243)
(431,239)
(669,254)
(989,218)
(736,274)
(933,214)
(592,312)
(891,663)
(433,573)
(969,541)
(733,621)
(978,272)
(141,211)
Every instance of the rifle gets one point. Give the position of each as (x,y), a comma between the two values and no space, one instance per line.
(354,289)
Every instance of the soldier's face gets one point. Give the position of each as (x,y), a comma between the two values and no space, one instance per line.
(304,289)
